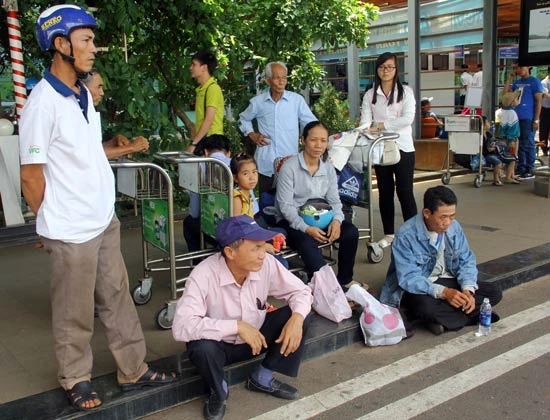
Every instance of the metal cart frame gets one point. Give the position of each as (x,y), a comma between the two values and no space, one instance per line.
(213,176)
(375,253)
(465,136)
(209,182)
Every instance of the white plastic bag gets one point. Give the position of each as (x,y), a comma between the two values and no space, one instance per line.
(329,300)
(381,324)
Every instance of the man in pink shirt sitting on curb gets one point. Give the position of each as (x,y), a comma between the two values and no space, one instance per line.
(222,314)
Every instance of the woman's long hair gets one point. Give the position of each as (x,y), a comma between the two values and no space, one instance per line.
(396,82)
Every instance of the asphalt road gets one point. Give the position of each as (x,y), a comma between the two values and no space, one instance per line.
(452,376)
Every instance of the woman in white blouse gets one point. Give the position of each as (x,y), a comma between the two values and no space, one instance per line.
(390,106)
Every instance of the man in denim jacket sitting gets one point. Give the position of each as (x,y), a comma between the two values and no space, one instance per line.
(433,273)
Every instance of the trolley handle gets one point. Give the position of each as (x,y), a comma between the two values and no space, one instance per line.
(174,156)
(382,135)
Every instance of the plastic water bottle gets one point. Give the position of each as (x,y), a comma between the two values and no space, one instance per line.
(485,318)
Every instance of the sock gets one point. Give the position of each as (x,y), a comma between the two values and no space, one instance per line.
(263,376)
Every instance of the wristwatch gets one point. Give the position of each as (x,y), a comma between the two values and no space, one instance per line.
(536,121)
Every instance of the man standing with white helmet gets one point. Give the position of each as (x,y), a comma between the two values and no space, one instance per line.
(69,185)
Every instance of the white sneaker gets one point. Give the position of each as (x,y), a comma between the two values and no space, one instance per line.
(385,241)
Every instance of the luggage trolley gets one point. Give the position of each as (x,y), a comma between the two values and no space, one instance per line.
(466,137)
(212,180)
(152,185)
(363,150)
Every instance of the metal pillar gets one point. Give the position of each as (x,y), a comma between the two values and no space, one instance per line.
(354,96)
(489,56)
(413,58)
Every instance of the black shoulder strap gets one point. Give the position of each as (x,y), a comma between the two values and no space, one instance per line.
(205,96)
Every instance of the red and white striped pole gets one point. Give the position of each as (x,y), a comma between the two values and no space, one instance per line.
(16,54)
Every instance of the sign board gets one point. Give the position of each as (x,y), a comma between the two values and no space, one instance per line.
(189,176)
(154,217)
(473,97)
(465,143)
(534,36)
(214,208)
(457,123)
(126,181)
(508,52)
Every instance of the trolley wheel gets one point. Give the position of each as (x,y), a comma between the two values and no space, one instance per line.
(163,322)
(140,298)
(478,181)
(446,178)
(373,256)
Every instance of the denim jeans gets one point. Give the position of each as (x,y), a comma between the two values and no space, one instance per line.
(526,147)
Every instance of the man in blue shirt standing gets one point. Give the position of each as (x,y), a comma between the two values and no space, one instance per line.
(433,273)
(528,112)
(279,114)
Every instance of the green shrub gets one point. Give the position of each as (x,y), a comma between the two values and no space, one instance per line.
(331,110)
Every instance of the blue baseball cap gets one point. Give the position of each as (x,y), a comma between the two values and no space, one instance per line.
(241,227)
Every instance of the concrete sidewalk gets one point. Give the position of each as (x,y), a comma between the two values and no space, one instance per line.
(498,221)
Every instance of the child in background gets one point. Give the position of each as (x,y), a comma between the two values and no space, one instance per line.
(494,159)
(508,122)
(245,175)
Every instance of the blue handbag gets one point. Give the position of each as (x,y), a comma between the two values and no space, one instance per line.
(350,183)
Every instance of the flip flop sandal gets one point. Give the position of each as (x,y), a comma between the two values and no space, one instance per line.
(151,377)
(82,393)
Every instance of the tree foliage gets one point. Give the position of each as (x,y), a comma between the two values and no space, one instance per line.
(332,110)
(148,90)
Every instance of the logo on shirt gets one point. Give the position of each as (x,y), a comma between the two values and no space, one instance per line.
(34,150)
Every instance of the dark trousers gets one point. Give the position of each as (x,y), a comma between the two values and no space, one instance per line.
(265,183)
(429,309)
(544,129)
(211,356)
(192,234)
(396,178)
(311,255)
(265,186)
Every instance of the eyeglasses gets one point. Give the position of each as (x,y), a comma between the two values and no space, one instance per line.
(279,78)
(386,68)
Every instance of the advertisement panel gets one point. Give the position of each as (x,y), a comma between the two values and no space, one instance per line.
(154,218)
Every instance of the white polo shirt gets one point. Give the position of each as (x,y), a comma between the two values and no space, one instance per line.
(80,188)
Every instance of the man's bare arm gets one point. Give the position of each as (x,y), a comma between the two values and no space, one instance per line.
(120,146)
(204,128)
(33,184)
